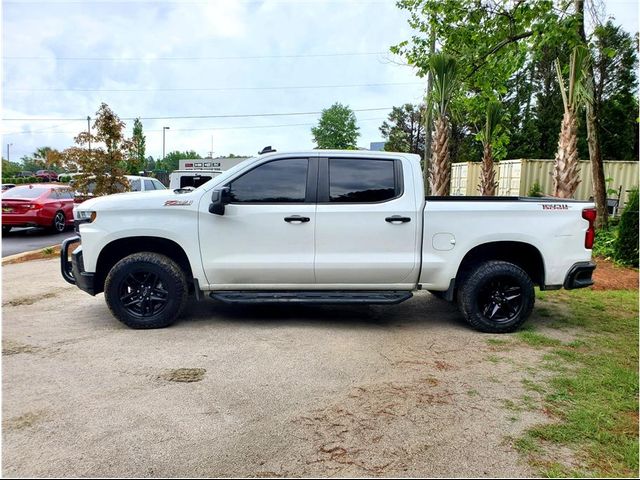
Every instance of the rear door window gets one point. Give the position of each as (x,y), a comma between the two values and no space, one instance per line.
(362,181)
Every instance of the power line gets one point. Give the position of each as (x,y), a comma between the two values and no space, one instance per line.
(193,117)
(200,129)
(233,57)
(215,89)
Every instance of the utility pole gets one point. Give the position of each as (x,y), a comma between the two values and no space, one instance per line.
(164,129)
(8,156)
(89,131)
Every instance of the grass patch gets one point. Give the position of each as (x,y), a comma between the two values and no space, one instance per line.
(494,359)
(48,251)
(536,339)
(596,400)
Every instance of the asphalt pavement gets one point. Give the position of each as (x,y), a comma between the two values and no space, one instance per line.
(20,240)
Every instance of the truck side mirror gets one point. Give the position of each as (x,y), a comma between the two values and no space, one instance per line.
(219,198)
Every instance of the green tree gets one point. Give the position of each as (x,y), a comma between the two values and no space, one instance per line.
(626,246)
(150,163)
(336,128)
(404,130)
(171,161)
(9,169)
(136,161)
(105,162)
(615,62)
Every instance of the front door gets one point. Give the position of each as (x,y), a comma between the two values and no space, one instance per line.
(265,239)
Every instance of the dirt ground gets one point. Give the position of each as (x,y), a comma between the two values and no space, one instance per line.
(406,390)
(608,276)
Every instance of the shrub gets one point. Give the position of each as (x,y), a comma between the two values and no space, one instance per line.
(605,242)
(536,190)
(627,244)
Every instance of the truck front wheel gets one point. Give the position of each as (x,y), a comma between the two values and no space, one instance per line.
(496,297)
(146,290)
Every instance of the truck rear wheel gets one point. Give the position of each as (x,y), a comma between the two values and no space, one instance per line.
(146,290)
(496,297)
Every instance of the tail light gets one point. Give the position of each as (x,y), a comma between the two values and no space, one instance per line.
(589,214)
(34,206)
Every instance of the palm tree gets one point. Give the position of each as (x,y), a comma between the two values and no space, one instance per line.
(444,72)
(565,171)
(488,182)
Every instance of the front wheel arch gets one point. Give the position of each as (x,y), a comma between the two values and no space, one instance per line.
(116,250)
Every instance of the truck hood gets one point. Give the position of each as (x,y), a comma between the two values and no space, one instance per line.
(140,200)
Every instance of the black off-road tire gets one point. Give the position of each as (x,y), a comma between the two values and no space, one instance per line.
(146,290)
(496,297)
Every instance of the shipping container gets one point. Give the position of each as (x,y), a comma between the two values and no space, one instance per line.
(517,177)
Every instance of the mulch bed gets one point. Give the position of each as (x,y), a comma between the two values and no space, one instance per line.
(608,276)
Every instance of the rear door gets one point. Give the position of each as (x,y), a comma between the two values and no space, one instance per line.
(366,227)
(265,239)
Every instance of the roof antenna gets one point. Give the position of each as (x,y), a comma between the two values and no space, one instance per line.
(266,149)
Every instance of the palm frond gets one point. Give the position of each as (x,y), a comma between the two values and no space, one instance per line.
(444,69)
(494,116)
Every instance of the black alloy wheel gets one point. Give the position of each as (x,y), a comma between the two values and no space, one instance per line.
(142,294)
(500,300)
(59,222)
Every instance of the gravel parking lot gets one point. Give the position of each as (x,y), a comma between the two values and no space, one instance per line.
(406,390)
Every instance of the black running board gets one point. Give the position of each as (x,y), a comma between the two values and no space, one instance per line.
(379,297)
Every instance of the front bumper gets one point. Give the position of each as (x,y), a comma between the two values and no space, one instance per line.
(73,271)
(579,276)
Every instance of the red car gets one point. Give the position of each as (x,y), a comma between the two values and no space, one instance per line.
(37,205)
(47,175)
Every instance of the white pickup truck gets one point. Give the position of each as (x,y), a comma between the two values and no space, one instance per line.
(326,226)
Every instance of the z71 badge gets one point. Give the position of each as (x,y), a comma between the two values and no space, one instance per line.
(177,203)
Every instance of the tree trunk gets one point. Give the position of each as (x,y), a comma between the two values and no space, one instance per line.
(429,119)
(566,171)
(440,169)
(488,182)
(593,132)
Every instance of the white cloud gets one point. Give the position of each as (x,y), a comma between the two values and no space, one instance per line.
(215,29)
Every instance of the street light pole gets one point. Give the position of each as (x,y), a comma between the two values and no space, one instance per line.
(164,129)
(89,131)
(8,157)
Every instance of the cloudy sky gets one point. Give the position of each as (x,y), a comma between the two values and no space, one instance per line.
(217,58)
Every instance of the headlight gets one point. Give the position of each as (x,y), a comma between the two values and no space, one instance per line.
(84,216)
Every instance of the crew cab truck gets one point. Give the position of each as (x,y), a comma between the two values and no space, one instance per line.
(326,226)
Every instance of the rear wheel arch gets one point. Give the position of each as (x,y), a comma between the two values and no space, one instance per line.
(521,254)
(118,249)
